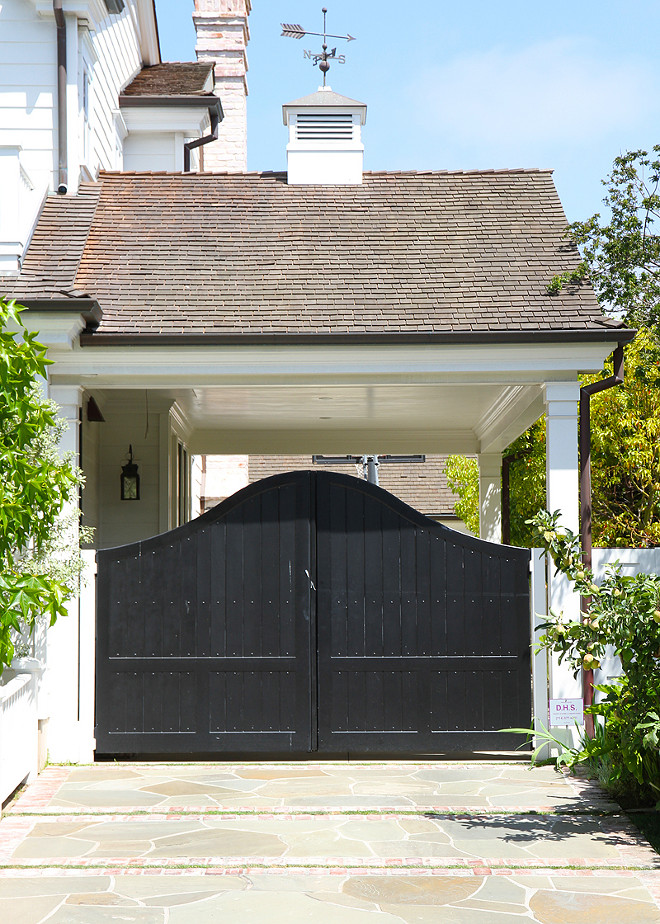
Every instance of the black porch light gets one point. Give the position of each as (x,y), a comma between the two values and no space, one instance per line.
(130,480)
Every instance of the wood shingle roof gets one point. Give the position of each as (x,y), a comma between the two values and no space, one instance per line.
(172,79)
(437,253)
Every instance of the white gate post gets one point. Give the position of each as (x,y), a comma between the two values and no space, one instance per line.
(87,742)
(562,486)
(62,677)
(539,610)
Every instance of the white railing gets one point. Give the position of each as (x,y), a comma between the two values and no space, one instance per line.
(18,732)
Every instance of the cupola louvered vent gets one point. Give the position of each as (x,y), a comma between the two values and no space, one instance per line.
(324,126)
(325,139)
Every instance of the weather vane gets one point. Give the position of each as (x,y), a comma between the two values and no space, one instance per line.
(293,30)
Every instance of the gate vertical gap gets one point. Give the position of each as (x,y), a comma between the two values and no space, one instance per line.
(313,613)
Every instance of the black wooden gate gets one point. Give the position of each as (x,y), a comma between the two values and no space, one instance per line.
(311,613)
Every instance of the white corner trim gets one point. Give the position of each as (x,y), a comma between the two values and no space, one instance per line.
(120,124)
(149,46)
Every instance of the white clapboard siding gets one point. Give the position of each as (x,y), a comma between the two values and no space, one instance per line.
(116,49)
(28,71)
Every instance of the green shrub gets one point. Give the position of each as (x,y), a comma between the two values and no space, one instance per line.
(624,613)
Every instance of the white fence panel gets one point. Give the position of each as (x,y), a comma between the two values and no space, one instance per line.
(18,732)
(633,561)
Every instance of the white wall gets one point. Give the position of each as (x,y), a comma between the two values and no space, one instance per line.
(110,55)
(153,151)
(120,522)
(28,64)
(27,140)
(116,50)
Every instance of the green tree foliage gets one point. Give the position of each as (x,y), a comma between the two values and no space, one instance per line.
(621,256)
(625,453)
(463,479)
(624,613)
(35,485)
(625,460)
(621,259)
(526,481)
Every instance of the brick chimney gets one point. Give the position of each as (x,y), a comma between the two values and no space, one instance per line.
(222,38)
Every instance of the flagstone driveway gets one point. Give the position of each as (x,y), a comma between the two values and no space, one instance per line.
(337,842)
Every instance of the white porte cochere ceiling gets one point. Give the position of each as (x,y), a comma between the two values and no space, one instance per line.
(334,399)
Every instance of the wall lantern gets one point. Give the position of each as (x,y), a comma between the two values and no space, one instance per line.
(130,480)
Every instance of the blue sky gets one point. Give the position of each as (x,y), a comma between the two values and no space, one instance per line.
(567,85)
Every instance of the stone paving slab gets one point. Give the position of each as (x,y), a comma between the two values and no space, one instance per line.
(551,897)
(441,786)
(447,843)
(428,837)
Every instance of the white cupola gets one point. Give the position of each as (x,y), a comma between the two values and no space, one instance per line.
(325,139)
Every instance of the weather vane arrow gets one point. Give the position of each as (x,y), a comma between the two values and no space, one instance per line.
(296,31)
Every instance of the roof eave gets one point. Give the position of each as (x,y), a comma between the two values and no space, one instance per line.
(607,335)
(210,102)
(89,308)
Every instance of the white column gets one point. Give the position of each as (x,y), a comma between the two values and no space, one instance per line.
(62,677)
(562,486)
(540,659)
(490,496)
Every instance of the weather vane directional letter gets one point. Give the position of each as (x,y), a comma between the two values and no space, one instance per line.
(296,31)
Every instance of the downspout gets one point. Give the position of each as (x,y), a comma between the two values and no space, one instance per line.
(207,139)
(585,499)
(62,152)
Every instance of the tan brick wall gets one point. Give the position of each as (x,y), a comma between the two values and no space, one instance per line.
(222,37)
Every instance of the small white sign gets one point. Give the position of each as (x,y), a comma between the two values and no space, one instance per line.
(565,712)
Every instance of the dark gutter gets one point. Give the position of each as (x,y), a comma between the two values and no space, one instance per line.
(62,151)
(89,308)
(585,499)
(618,335)
(210,101)
(216,115)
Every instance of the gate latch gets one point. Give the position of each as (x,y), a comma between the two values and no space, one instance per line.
(311,582)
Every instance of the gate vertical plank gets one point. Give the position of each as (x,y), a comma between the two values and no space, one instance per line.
(438,567)
(269,621)
(373,577)
(305,613)
(254,566)
(351,641)
(235,583)
(409,540)
(216,553)
(392,588)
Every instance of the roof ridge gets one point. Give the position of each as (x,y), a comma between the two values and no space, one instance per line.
(209,174)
